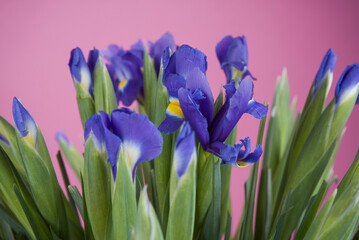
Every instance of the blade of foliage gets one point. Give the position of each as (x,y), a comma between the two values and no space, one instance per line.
(73,157)
(96,188)
(11,149)
(76,197)
(6,230)
(182,203)
(123,216)
(104,93)
(85,103)
(147,225)
(227,235)
(247,230)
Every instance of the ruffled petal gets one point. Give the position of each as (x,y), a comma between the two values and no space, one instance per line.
(195,118)
(232,110)
(94,126)
(141,140)
(221,48)
(256,109)
(157,49)
(197,80)
(173,83)
(184,60)
(170,124)
(251,158)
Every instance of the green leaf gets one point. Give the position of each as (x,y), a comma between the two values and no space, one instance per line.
(42,179)
(147,225)
(11,149)
(104,93)
(72,156)
(311,212)
(352,172)
(96,188)
(247,230)
(88,228)
(65,178)
(227,235)
(76,197)
(39,226)
(150,83)
(85,103)
(6,230)
(182,203)
(318,222)
(7,181)
(204,182)
(123,215)
(345,210)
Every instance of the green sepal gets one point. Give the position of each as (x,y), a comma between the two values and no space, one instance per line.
(182,202)
(85,103)
(73,157)
(11,149)
(319,221)
(76,196)
(39,226)
(123,214)
(204,182)
(147,225)
(96,188)
(104,93)
(43,183)
(7,181)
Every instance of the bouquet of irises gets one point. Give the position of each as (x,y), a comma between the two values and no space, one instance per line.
(163,171)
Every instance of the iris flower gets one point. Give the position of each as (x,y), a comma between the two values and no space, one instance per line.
(80,71)
(24,123)
(132,132)
(125,71)
(232,54)
(348,84)
(157,49)
(326,67)
(191,100)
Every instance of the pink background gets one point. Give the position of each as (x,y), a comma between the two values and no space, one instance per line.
(36,40)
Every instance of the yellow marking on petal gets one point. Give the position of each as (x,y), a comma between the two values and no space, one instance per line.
(31,135)
(122,84)
(237,75)
(242,164)
(174,108)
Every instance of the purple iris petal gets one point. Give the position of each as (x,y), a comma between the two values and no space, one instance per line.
(183,61)
(256,109)
(92,59)
(184,149)
(166,57)
(170,124)
(221,48)
(96,126)
(157,49)
(195,118)
(141,140)
(24,122)
(235,155)
(197,80)
(79,69)
(232,110)
(233,53)
(174,83)
(327,64)
(347,81)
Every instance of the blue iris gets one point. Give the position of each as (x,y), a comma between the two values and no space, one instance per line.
(132,132)
(348,84)
(80,70)
(326,67)
(232,54)
(191,100)
(125,71)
